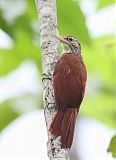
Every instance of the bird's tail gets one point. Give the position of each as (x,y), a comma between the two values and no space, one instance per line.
(63,125)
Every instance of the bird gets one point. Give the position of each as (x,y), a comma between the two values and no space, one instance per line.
(69,82)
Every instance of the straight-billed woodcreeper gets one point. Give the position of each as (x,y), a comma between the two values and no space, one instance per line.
(69,80)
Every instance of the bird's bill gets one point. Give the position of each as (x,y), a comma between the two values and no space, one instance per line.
(61,39)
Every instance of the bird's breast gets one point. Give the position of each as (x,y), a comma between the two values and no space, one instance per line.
(73,62)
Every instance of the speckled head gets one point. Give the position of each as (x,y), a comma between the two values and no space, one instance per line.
(70,44)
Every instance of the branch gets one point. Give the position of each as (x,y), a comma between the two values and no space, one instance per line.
(50,54)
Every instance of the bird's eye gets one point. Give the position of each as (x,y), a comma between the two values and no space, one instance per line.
(70,39)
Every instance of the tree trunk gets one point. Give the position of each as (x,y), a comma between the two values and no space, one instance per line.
(50,54)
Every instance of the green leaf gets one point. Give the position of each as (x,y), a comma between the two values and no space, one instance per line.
(8,62)
(23,49)
(105,3)
(23,23)
(100,106)
(31,9)
(15,106)
(100,63)
(5,26)
(71,20)
(102,51)
(7,114)
(112,146)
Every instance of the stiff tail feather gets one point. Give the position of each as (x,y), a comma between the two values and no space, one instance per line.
(63,125)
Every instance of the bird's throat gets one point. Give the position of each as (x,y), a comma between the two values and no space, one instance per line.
(66,48)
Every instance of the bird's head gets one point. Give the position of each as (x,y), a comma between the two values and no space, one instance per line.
(70,44)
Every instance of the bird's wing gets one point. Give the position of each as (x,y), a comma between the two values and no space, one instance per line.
(68,83)
(61,67)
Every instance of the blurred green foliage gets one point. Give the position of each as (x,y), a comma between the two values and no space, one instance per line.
(112,146)
(99,55)
(104,3)
(7,114)
(12,58)
(71,20)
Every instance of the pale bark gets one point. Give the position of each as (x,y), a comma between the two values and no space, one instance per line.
(50,53)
